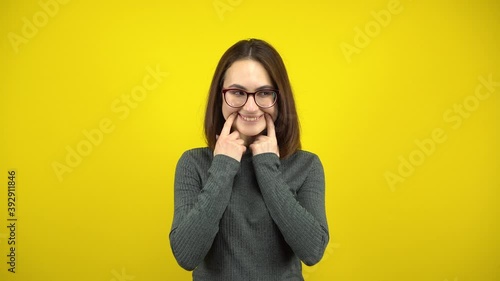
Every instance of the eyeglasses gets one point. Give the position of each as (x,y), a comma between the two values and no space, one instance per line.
(237,98)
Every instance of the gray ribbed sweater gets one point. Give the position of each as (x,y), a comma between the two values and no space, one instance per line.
(254,220)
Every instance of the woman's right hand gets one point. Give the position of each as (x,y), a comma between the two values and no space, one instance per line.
(230,144)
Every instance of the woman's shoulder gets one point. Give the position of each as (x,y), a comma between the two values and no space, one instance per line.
(198,150)
(304,154)
(197,154)
(303,157)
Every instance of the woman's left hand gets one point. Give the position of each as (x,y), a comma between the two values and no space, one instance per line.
(265,144)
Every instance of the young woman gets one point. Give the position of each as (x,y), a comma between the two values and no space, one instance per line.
(251,205)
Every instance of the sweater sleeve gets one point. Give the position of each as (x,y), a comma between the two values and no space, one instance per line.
(198,209)
(301,218)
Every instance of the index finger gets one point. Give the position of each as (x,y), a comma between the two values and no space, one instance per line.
(229,123)
(270,126)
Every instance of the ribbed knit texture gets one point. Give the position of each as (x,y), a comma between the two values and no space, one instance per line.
(254,220)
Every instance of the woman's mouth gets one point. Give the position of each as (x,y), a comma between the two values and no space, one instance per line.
(250,118)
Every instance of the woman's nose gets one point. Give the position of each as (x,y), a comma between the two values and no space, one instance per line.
(251,105)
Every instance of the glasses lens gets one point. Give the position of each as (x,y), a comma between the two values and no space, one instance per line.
(265,98)
(235,98)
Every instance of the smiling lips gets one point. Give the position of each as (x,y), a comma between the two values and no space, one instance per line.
(250,118)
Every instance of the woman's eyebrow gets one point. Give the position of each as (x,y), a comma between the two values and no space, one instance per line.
(237,86)
(264,87)
(244,88)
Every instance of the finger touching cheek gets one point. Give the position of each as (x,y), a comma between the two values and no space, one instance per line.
(227,111)
(273,115)
(273,111)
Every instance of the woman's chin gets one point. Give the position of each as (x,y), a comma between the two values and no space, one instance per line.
(250,132)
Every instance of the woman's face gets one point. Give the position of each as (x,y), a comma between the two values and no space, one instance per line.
(250,76)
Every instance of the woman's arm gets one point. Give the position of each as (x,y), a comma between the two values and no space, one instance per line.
(301,218)
(198,209)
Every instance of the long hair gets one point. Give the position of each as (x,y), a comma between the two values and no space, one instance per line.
(287,123)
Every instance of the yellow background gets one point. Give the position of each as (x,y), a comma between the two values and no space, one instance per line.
(109,218)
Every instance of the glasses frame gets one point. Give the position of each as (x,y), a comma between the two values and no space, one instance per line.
(248,95)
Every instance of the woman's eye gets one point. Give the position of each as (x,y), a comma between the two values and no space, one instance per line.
(266,93)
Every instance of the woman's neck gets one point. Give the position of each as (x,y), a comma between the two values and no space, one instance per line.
(247,140)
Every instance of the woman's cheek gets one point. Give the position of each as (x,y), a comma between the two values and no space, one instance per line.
(273,112)
(227,111)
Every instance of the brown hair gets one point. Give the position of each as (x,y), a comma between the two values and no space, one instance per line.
(287,123)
